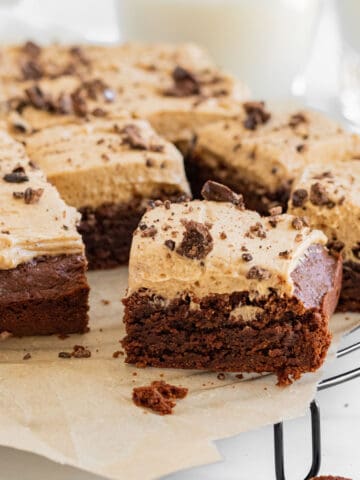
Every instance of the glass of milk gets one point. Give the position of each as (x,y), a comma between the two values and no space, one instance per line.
(264,42)
(349,17)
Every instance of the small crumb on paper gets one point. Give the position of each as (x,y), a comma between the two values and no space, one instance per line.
(158,397)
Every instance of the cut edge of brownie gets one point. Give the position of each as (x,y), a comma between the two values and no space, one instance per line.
(349,296)
(47,295)
(107,230)
(256,196)
(290,337)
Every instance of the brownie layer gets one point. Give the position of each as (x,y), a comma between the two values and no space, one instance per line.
(349,296)
(287,336)
(45,296)
(256,196)
(107,230)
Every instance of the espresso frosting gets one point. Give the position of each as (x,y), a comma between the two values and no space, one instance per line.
(177,88)
(241,251)
(39,223)
(329,195)
(271,150)
(108,161)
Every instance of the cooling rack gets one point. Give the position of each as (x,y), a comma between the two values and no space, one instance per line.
(315,418)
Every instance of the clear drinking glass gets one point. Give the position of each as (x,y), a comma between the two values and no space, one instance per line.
(264,42)
(349,16)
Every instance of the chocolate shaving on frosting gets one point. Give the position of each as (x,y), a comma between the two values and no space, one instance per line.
(256,114)
(185,83)
(197,241)
(216,192)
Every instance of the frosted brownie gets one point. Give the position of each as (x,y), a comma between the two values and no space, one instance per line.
(42,262)
(260,153)
(214,286)
(109,170)
(329,195)
(175,87)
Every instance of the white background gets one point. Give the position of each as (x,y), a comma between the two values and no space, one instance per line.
(250,455)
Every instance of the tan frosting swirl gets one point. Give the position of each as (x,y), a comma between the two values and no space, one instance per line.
(162,270)
(46,227)
(273,153)
(91,163)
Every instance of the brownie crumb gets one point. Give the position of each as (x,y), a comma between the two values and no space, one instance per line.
(285,254)
(240,376)
(299,197)
(80,352)
(31,49)
(117,353)
(63,336)
(299,222)
(133,138)
(216,192)
(27,356)
(185,83)
(256,230)
(336,246)
(223,235)
(301,148)
(158,396)
(258,273)
(197,241)
(247,257)
(221,376)
(277,210)
(319,195)
(149,232)
(105,302)
(256,115)
(170,244)
(64,355)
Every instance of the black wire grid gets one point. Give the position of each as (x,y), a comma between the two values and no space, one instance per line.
(315,421)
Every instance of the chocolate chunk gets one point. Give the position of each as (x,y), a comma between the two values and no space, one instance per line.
(356,251)
(285,254)
(32,195)
(170,244)
(133,138)
(247,257)
(258,273)
(197,241)
(296,119)
(27,356)
(37,98)
(32,70)
(158,397)
(216,192)
(299,197)
(319,195)
(185,84)
(256,115)
(336,246)
(31,49)
(16,176)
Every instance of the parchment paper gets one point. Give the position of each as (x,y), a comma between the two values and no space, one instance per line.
(79,411)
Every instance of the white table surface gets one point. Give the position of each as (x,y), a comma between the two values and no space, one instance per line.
(249,455)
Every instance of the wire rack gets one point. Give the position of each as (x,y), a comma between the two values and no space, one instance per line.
(330,382)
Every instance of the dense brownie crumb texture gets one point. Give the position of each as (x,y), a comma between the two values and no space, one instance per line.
(42,263)
(215,286)
(158,397)
(329,195)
